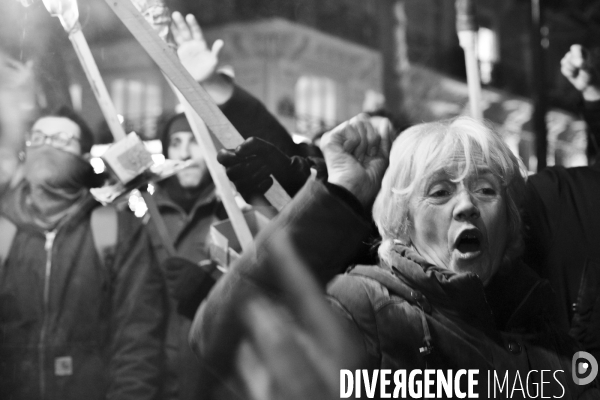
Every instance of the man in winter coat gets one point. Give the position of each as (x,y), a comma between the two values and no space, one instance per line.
(75,324)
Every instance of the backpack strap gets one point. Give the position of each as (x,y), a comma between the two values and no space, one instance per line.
(104,224)
(8,230)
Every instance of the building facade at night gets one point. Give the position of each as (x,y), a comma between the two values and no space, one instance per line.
(317,62)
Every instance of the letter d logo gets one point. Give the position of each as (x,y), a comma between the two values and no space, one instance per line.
(580,365)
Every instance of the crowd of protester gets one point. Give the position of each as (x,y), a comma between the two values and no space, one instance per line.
(477,266)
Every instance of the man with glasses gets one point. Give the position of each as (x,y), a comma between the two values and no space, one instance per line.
(74,324)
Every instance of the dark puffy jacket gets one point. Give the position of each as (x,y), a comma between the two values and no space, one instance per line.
(442,319)
(450,321)
(72,327)
(563,244)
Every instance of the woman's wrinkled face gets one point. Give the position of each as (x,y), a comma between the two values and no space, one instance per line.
(460,225)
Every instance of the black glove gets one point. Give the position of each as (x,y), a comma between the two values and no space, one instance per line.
(250,165)
(188,283)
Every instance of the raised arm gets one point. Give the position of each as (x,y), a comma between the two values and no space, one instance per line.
(322,226)
(582,68)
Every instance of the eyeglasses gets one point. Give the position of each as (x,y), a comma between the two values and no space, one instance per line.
(59,139)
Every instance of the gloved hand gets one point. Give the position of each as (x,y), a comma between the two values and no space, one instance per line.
(189,283)
(250,165)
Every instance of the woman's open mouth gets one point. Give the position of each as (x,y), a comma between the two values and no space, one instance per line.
(469,244)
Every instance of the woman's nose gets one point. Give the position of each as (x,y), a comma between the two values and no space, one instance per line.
(465,209)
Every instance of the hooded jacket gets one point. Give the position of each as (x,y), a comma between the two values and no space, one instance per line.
(72,327)
(438,319)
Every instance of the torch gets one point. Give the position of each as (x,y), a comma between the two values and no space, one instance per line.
(68,14)
(466,27)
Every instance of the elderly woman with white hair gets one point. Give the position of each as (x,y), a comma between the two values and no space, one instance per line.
(450,293)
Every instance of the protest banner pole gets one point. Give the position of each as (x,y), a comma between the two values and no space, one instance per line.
(166,59)
(466,28)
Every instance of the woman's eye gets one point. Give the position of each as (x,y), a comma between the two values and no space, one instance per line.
(439,193)
(487,191)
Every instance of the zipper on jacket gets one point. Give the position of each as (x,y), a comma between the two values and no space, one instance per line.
(50,235)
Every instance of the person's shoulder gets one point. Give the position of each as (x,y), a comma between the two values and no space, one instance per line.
(561,178)
(362,293)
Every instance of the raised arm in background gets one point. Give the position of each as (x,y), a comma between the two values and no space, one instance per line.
(315,236)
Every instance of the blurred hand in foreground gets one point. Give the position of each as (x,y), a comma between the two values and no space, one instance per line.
(294,348)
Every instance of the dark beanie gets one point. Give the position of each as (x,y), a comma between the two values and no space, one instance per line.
(177,123)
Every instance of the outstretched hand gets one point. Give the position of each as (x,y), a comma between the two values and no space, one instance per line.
(193,51)
(576,67)
(357,155)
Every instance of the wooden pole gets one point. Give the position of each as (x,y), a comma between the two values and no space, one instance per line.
(98,87)
(217,172)
(199,100)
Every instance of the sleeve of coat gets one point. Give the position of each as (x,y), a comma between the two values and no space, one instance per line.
(591,115)
(251,118)
(137,317)
(321,227)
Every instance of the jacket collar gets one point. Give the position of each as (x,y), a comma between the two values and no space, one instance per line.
(164,201)
(511,301)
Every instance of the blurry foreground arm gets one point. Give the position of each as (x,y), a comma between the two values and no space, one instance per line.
(323,225)
(16,105)
(295,348)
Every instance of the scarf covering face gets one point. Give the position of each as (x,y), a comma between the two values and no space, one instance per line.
(57,181)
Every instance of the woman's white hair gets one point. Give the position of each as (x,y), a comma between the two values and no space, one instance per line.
(425,149)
